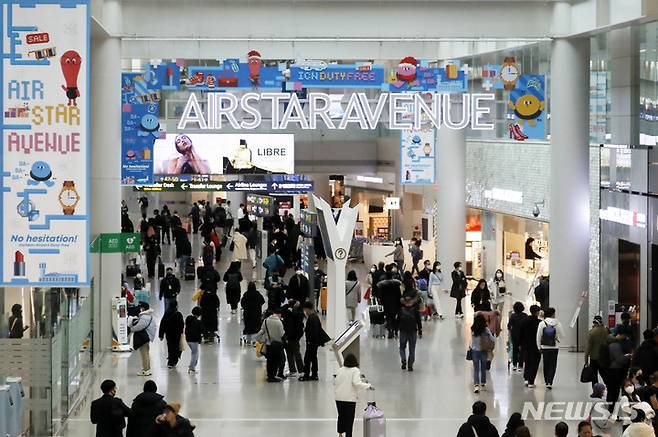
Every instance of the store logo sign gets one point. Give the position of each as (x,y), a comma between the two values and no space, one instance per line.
(504,195)
(226,110)
(624,217)
(392,203)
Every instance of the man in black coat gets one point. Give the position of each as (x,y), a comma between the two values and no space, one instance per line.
(479,422)
(108,412)
(529,351)
(390,294)
(314,339)
(298,287)
(293,326)
(146,407)
(646,355)
(169,288)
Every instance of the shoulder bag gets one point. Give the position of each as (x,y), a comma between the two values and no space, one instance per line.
(140,338)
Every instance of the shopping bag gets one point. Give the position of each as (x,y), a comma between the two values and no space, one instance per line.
(260,349)
(197,295)
(366,296)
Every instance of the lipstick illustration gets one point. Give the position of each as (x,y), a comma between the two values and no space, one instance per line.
(170,76)
(19,264)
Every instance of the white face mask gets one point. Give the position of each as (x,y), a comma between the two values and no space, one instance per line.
(299,272)
(629,389)
(316,268)
(499,275)
(372,270)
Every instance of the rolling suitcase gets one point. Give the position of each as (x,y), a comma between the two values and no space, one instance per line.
(374,422)
(161,268)
(376,315)
(190,271)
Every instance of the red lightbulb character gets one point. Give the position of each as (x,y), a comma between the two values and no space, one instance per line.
(254,62)
(70,63)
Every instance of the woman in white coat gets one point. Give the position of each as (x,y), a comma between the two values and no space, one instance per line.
(498,290)
(239,246)
(435,287)
(346,388)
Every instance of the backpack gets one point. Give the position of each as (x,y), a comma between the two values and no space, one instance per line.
(422,284)
(208,250)
(604,356)
(548,335)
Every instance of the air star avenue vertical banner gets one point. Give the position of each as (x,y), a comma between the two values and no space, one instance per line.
(45,144)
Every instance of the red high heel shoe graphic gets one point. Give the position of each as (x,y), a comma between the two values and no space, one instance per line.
(516,132)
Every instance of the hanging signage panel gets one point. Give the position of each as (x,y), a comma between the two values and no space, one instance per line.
(45,180)
(417,160)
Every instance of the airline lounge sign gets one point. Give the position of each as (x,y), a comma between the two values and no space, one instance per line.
(404,111)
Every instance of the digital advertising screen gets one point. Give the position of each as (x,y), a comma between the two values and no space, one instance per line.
(224,154)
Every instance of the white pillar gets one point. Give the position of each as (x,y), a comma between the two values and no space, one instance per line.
(451,196)
(569,232)
(106,161)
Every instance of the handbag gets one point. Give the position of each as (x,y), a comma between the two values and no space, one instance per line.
(140,338)
(182,344)
(231,247)
(197,295)
(587,374)
(469,354)
(366,296)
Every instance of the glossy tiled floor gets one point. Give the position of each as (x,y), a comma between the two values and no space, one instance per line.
(229,395)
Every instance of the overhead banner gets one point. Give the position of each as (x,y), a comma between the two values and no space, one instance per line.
(216,154)
(45,156)
(417,157)
(318,74)
(527,108)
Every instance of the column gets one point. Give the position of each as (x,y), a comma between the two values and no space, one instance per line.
(451,196)
(106,162)
(569,205)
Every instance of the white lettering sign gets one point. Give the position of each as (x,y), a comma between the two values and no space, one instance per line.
(220,107)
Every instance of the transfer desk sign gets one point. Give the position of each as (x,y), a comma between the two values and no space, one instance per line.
(45,92)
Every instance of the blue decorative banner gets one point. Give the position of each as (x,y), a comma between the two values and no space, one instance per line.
(324,75)
(44,186)
(527,108)
(233,74)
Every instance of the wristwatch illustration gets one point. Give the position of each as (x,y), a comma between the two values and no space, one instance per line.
(509,73)
(68,197)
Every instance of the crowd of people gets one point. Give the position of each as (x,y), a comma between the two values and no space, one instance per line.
(285,315)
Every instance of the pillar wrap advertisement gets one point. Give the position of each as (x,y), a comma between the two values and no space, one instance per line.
(45,153)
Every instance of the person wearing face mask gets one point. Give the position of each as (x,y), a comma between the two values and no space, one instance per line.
(635,375)
(435,283)
(627,400)
(109,425)
(426,270)
(458,289)
(498,290)
(298,286)
(169,288)
(276,293)
(398,254)
(193,334)
(646,355)
(377,276)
